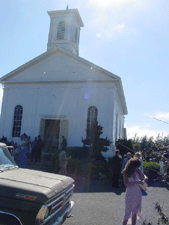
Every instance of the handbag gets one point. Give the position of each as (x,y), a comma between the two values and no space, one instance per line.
(143,186)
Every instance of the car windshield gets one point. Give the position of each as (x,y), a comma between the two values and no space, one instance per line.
(6,161)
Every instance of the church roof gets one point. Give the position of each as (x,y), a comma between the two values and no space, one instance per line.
(80,69)
(67,11)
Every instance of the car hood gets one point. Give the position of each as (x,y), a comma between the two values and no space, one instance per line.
(42,185)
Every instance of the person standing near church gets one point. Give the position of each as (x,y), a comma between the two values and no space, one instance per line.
(23,137)
(63,160)
(116,169)
(28,144)
(126,160)
(132,177)
(22,155)
(39,147)
(33,152)
(138,155)
(64,143)
(143,155)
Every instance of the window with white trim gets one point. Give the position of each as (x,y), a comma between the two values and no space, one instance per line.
(17,121)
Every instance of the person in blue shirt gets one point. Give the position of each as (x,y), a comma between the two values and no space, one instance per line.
(126,160)
(22,155)
(138,155)
(23,137)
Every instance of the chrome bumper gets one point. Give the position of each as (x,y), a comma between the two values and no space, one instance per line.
(62,217)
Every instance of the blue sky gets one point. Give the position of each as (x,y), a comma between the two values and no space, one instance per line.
(126,37)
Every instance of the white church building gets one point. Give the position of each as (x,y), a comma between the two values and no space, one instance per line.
(60,94)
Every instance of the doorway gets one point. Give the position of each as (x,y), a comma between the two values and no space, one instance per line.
(51,133)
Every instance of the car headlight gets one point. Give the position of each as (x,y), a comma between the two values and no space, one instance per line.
(42,214)
(47,213)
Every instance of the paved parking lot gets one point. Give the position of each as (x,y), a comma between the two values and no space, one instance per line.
(97,203)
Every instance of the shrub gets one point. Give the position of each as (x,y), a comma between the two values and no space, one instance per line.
(76,167)
(99,167)
(163,219)
(80,163)
(75,153)
(78,152)
(86,168)
(151,169)
(54,163)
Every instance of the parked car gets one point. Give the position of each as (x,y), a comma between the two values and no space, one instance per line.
(29,197)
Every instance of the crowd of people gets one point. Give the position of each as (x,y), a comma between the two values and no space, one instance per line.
(27,149)
(148,156)
(117,168)
(131,168)
(33,150)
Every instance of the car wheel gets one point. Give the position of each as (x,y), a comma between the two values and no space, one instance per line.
(8,220)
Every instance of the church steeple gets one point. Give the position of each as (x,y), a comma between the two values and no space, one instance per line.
(65,30)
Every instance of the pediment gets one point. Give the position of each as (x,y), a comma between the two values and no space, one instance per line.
(58,65)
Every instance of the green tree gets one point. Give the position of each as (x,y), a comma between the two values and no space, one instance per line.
(96,143)
(124,146)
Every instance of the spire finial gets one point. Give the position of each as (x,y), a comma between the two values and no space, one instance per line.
(67,7)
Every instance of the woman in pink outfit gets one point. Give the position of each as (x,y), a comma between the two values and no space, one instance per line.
(132,177)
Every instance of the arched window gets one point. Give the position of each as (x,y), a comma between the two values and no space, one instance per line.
(17,121)
(61,30)
(91,118)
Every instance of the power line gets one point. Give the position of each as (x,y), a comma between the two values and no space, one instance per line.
(124,146)
(135,121)
(158,120)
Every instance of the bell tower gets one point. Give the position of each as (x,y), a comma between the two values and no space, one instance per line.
(65,30)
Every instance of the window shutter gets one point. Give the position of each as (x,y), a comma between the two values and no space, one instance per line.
(61,30)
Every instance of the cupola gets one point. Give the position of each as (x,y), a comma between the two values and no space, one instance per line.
(65,30)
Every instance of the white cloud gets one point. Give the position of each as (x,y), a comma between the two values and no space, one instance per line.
(98,35)
(162,115)
(119,27)
(113,30)
(112,16)
(99,18)
(133,130)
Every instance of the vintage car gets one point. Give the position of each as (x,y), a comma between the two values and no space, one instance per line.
(30,197)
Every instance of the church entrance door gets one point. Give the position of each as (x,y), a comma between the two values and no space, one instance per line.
(51,131)
(51,134)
